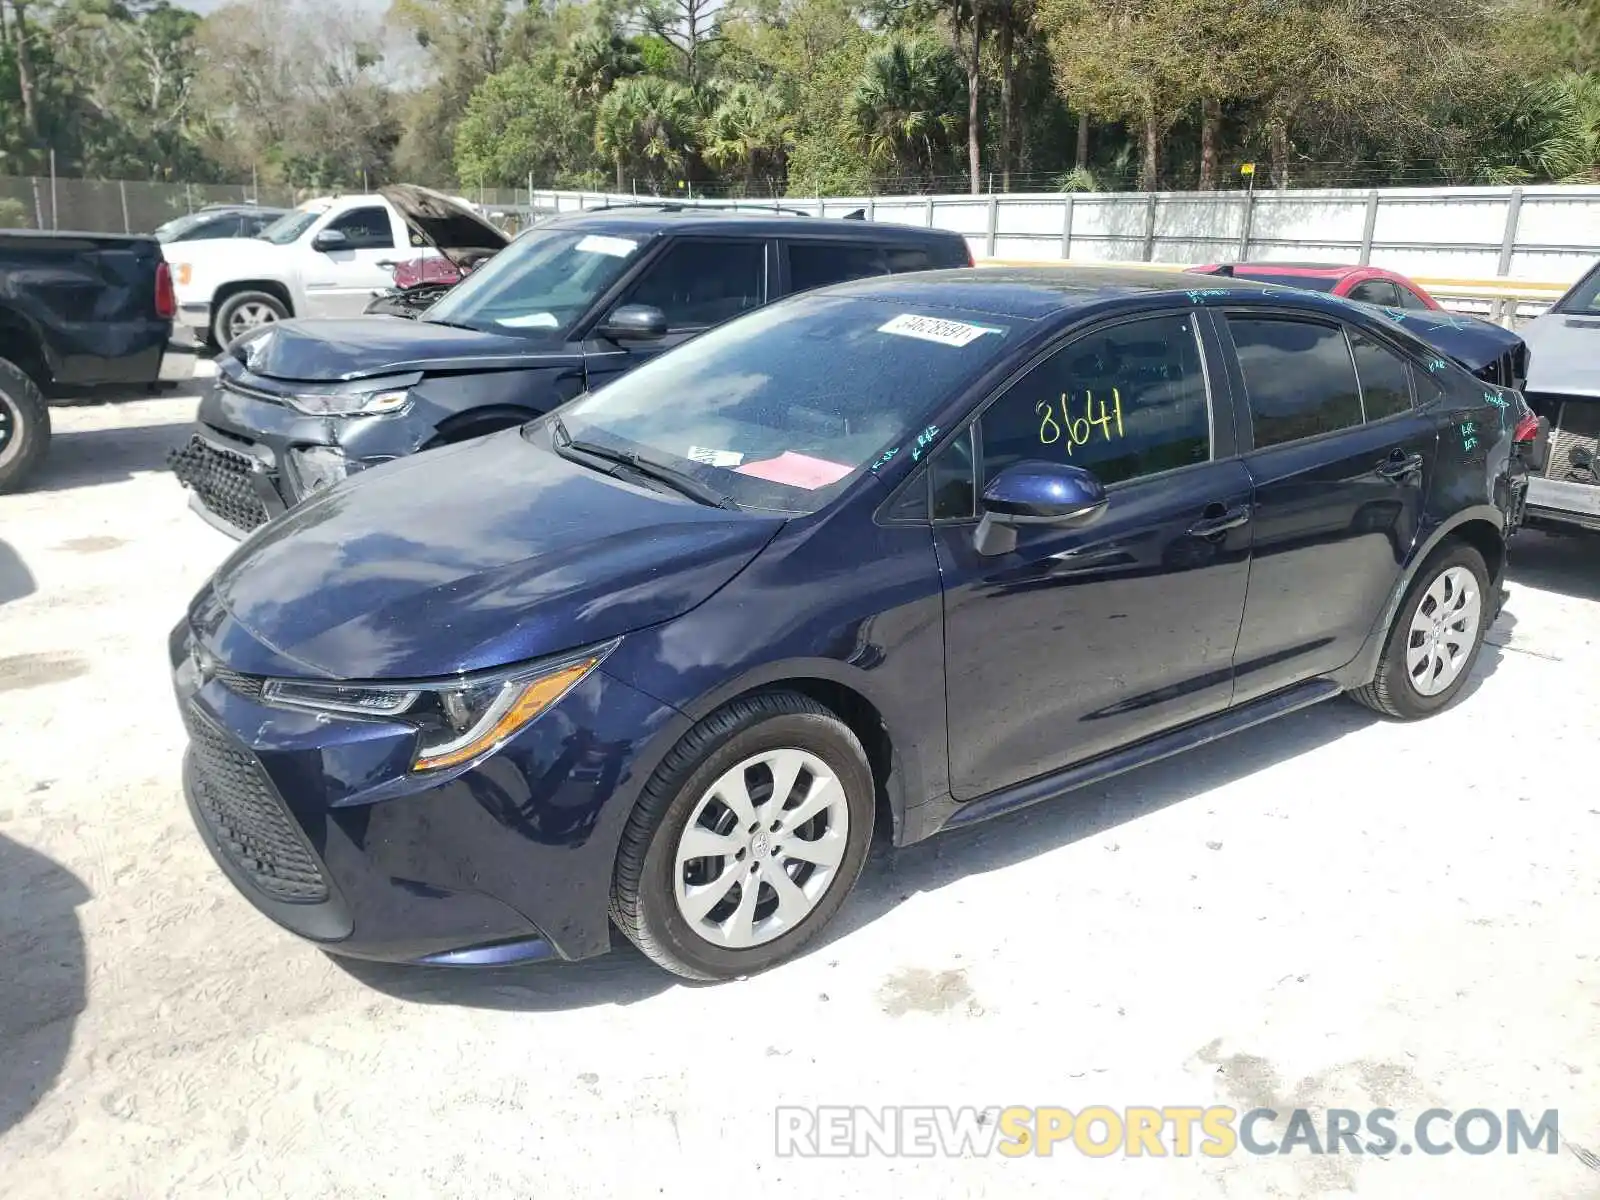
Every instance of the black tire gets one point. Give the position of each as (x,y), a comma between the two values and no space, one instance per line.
(222,319)
(24,426)
(1392,692)
(643,904)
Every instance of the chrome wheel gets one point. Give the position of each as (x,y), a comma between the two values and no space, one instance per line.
(1443,631)
(250,315)
(761,848)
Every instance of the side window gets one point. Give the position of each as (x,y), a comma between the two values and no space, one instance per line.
(254,224)
(1429,389)
(1299,377)
(700,284)
(367,228)
(901,261)
(817,264)
(1123,402)
(1385,378)
(952,480)
(1412,302)
(1376,291)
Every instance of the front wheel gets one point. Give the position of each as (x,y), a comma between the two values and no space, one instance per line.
(1435,639)
(242,312)
(747,839)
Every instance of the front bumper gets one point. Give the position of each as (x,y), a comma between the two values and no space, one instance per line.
(318,823)
(252,458)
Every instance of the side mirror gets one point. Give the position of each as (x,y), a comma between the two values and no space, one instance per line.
(634,323)
(330,239)
(1036,493)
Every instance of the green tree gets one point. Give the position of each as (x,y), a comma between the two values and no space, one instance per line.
(646,125)
(747,133)
(907,107)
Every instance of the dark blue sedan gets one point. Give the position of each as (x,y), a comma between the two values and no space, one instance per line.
(913,551)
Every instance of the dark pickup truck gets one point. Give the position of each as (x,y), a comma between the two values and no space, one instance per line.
(77,310)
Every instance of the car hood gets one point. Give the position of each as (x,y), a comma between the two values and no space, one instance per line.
(1472,341)
(447,225)
(469,557)
(328,351)
(1566,354)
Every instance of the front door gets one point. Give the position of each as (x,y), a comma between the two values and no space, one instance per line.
(1342,460)
(696,284)
(341,283)
(1082,640)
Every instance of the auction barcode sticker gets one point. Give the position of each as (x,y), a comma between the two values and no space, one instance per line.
(935,329)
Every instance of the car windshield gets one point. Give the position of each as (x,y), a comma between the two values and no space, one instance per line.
(180,225)
(1306,283)
(290,226)
(543,281)
(781,409)
(1585,296)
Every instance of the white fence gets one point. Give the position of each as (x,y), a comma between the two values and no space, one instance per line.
(1537,239)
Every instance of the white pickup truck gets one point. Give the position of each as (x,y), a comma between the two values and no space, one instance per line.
(326,258)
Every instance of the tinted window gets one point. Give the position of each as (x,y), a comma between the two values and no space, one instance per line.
(1385,378)
(212,227)
(1299,377)
(952,483)
(817,264)
(1376,291)
(901,261)
(1125,402)
(698,284)
(784,406)
(1411,301)
(367,228)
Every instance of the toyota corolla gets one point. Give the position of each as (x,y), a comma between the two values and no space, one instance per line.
(905,553)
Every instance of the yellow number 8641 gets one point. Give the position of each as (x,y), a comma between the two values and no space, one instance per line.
(1076,431)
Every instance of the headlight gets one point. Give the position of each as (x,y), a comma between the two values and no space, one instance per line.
(350,404)
(457,721)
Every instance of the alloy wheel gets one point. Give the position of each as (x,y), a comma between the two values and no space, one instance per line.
(1443,631)
(761,848)
(251,315)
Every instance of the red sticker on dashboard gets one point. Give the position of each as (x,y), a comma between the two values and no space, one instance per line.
(796,470)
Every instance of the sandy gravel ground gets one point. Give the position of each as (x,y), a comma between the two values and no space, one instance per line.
(1329,912)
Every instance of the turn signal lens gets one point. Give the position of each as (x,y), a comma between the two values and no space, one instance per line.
(482,718)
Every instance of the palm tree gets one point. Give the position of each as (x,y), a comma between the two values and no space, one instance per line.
(746,130)
(647,123)
(598,60)
(906,110)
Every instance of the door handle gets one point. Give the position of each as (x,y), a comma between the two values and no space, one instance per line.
(1217,519)
(1400,464)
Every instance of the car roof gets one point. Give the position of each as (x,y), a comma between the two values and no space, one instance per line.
(650,219)
(1325,270)
(1035,293)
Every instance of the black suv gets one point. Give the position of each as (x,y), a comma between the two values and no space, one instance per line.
(569,305)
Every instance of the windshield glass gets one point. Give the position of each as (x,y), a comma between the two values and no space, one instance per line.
(1306,283)
(290,226)
(543,281)
(1585,296)
(783,408)
(180,225)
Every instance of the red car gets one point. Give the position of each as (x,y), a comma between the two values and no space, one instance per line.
(1371,285)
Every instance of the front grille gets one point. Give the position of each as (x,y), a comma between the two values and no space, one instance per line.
(250,823)
(1574,440)
(248,686)
(223,479)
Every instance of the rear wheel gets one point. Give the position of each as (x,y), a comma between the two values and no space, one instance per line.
(747,839)
(24,426)
(1435,638)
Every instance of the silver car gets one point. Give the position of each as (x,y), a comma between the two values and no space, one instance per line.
(1564,389)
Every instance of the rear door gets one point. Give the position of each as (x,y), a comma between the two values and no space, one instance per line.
(1342,460)
(340,283)
(696,283)
(815,262)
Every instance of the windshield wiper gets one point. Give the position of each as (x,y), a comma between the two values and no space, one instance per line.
(660,472)
(452,324)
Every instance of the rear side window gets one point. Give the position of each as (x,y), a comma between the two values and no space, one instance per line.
(700,284)
(1299,377)
(1385,378)
(1376,291)
(817,264)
